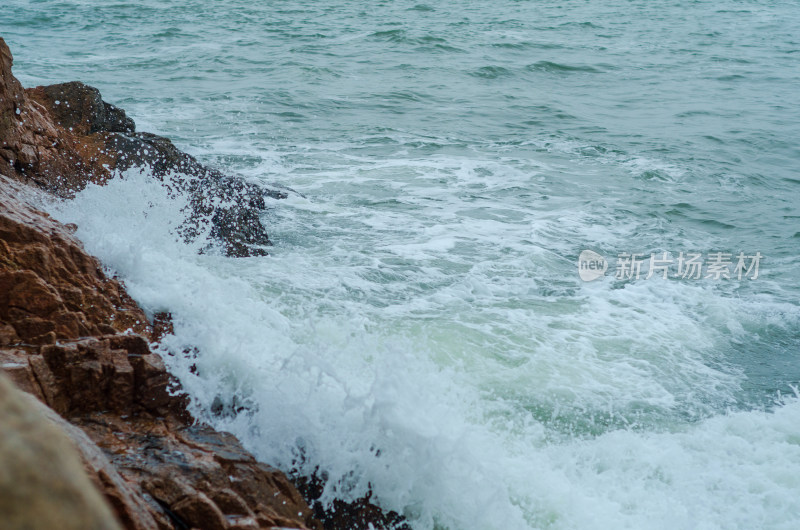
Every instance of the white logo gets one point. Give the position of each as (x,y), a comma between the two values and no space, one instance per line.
(591,265)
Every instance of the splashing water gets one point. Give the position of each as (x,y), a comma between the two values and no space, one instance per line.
(419,329)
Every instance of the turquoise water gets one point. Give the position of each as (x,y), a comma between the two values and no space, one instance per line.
(420,328)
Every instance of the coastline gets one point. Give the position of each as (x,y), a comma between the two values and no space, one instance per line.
(73,338)
(421,333)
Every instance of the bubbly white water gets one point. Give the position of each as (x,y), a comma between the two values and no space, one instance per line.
(465,394)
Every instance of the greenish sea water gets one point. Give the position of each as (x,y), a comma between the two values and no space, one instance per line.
(420,328)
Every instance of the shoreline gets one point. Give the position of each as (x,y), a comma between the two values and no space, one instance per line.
(75,340)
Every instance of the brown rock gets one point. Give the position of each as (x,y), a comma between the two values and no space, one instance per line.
(127,499)
(200,512)
(48,283)
(8,335)
(30,328)
(15,364)
(32,148)
(31,294)
(162,325)
(231,503)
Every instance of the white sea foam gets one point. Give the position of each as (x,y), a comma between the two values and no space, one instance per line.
(445,355)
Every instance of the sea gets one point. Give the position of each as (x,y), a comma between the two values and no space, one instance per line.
(538,267)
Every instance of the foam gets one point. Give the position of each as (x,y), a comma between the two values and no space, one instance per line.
(388,350)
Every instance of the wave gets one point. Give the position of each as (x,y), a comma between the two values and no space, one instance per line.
(549,66)
(343,364)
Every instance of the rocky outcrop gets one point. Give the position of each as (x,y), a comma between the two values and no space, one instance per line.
(32,147)
(60,137)
(80,109)
(73,339)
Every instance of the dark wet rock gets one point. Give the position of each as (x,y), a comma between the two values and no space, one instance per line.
(360,513)
(232,206)
(80,109)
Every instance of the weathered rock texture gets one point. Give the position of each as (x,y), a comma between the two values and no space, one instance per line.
(49,287)
(32,147)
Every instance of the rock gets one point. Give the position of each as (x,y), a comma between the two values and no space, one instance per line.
(162,325)
(192,474)
(360,513)
(61,137)
(49,285)
(232,206)
(134,509)
(80,108)
(43,483)
(33,148)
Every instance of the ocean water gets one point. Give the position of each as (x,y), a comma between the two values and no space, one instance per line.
(420,329)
